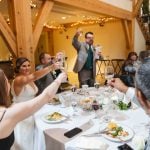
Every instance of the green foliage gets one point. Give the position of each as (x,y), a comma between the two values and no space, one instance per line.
(123,106)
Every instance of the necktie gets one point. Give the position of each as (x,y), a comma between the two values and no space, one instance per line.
(89,61)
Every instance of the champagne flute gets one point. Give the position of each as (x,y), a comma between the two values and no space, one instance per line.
(109,73)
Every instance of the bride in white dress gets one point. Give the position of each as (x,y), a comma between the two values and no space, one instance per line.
(24,89)
(24,131)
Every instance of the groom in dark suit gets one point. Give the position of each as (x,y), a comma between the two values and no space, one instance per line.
(85,64)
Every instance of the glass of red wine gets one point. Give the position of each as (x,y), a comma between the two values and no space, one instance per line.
(95,106)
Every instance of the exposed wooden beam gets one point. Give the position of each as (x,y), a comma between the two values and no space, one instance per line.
(11,15)
(136,7)
(41,19)
(127,33)
(129,27)
(8,36)
(23,25)
(98,7)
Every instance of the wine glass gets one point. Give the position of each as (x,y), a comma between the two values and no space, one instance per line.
(74,105)
(96,85)
(95,106)
(109,73)
(73,88)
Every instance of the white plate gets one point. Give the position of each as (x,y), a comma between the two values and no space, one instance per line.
(63,118)
(121,138)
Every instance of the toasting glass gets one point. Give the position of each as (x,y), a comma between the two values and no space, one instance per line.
(109,73)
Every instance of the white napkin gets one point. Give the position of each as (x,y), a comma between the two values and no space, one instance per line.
(91,143)
(139,142)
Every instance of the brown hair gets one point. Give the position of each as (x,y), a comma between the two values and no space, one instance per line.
(4,95)
(132,54)
(19,62)
(42,55)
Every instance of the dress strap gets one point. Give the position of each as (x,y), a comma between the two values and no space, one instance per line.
(3,115)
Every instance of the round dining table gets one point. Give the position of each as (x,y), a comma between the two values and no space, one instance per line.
(49,135)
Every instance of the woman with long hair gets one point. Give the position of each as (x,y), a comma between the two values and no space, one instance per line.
(23,89)
(10,115)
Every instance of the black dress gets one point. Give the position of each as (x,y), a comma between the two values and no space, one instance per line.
(6,143)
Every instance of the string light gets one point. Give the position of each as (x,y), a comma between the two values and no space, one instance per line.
(55,27)
(88,21)
(101,21)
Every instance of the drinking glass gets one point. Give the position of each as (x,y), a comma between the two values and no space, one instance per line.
(96,85)
(95,106)
(74,105)
(109,73)
(73,88)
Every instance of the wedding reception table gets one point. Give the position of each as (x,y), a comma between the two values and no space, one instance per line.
(50,136)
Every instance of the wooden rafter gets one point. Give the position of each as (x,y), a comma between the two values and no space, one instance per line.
(136,7)
(41,19)
(8,36)
(23,26)
(98,7)
(129,32)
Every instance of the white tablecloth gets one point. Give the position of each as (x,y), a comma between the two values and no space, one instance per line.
(135,119)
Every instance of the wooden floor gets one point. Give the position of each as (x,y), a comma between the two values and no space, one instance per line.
(73,78)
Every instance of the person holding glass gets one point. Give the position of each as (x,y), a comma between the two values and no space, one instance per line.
(42,83)
(24,89)
(11,114)
(85,64)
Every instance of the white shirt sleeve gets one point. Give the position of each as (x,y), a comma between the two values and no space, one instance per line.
(132,95)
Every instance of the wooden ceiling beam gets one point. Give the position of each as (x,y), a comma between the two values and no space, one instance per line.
(41,19)
(129,27)
(99,7)
(136,7)
(8,36)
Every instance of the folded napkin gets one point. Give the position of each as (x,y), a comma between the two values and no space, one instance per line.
(139,142)
(55,139)
(91,143)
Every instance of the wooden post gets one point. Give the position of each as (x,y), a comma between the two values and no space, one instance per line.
(23,25)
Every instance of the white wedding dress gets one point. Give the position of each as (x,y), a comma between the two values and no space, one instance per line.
(24,131)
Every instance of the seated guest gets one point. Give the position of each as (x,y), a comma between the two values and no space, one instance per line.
(128,66)
(42,83)
(129,69)
(24,89)
(130,91)
(10,115)
(142,80)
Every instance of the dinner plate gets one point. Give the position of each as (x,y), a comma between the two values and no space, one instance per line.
(121,138)
(44,118)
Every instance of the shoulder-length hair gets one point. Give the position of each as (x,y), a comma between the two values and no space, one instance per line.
(19,62)
(4,95)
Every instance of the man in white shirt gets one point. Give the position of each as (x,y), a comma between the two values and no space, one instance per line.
(129,91)
(142,80)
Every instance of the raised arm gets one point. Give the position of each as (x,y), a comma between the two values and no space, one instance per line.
(75,41)
(22,80)
(20,111)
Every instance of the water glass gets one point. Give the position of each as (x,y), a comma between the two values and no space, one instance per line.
(96,85)
(109,73)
